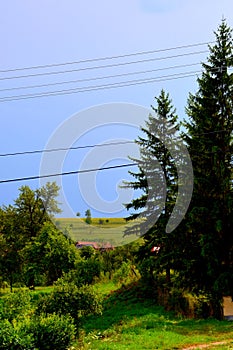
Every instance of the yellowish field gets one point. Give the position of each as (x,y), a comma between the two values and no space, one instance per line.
(101,230)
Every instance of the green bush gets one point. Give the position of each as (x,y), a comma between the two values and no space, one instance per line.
(52,332)
(87,270)
(68,299)
(14,305)
(202,307)
(13,337)
(124,274)
(177,302)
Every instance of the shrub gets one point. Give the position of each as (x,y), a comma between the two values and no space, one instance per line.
(17,304)
(3,284)
(68,299)
(87,252)
(87,271)
(13,337)
(124,274)
(202,306)
(52,332)
(177,302)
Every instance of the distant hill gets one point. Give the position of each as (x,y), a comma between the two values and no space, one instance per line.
(109,230)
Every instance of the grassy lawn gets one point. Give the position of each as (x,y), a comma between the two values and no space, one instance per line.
(130,322)
(38,290)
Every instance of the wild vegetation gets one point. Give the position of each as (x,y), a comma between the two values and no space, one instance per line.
(161,291)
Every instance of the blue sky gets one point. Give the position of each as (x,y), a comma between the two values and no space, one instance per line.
(50,32)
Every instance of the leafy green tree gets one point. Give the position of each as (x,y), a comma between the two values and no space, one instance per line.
(20,224)
(10,246)
(34,207)
(50,253)
(209,224)
(48,195)
(157,179)
(88,216)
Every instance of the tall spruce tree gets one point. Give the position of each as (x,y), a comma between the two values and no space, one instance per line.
(209,224)
(157,179)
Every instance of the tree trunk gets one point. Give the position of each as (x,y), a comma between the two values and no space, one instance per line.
(168,275)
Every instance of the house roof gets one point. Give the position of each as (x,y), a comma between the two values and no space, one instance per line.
(95,245)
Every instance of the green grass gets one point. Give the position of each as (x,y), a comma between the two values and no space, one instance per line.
(44,289)
(105,288)
(130,321)
(110,230)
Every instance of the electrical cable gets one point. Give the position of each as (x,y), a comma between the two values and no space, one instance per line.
(95,145)
(64,149)
(103,87)
(104,66)
(67,173)
(100,78)
(100,87)
(105,58)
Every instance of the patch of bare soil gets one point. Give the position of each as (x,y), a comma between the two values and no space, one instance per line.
(206,346)
(227,306)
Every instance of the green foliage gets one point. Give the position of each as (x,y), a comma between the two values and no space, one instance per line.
(125,274)
(51,332)
(85,272)
(177,302)
(10,245)
(12,337)
(16,305)
(87,252)
(20,225)
(159,182)
(48,193)
(49,254)
(209,223)
(68,299)
(88,270)
(88,219)
(132,321)
(35,207)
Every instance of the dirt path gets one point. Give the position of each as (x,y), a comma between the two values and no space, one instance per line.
(206,346)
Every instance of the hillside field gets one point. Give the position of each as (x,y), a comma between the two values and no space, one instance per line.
(101,230)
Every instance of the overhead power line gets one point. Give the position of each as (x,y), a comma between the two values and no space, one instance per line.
(110,85)
(66,173)
(104,66)
(65,149)
(100,78)
(99,145)
(36,177)
(104,87)
(105,58)
(100,87)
